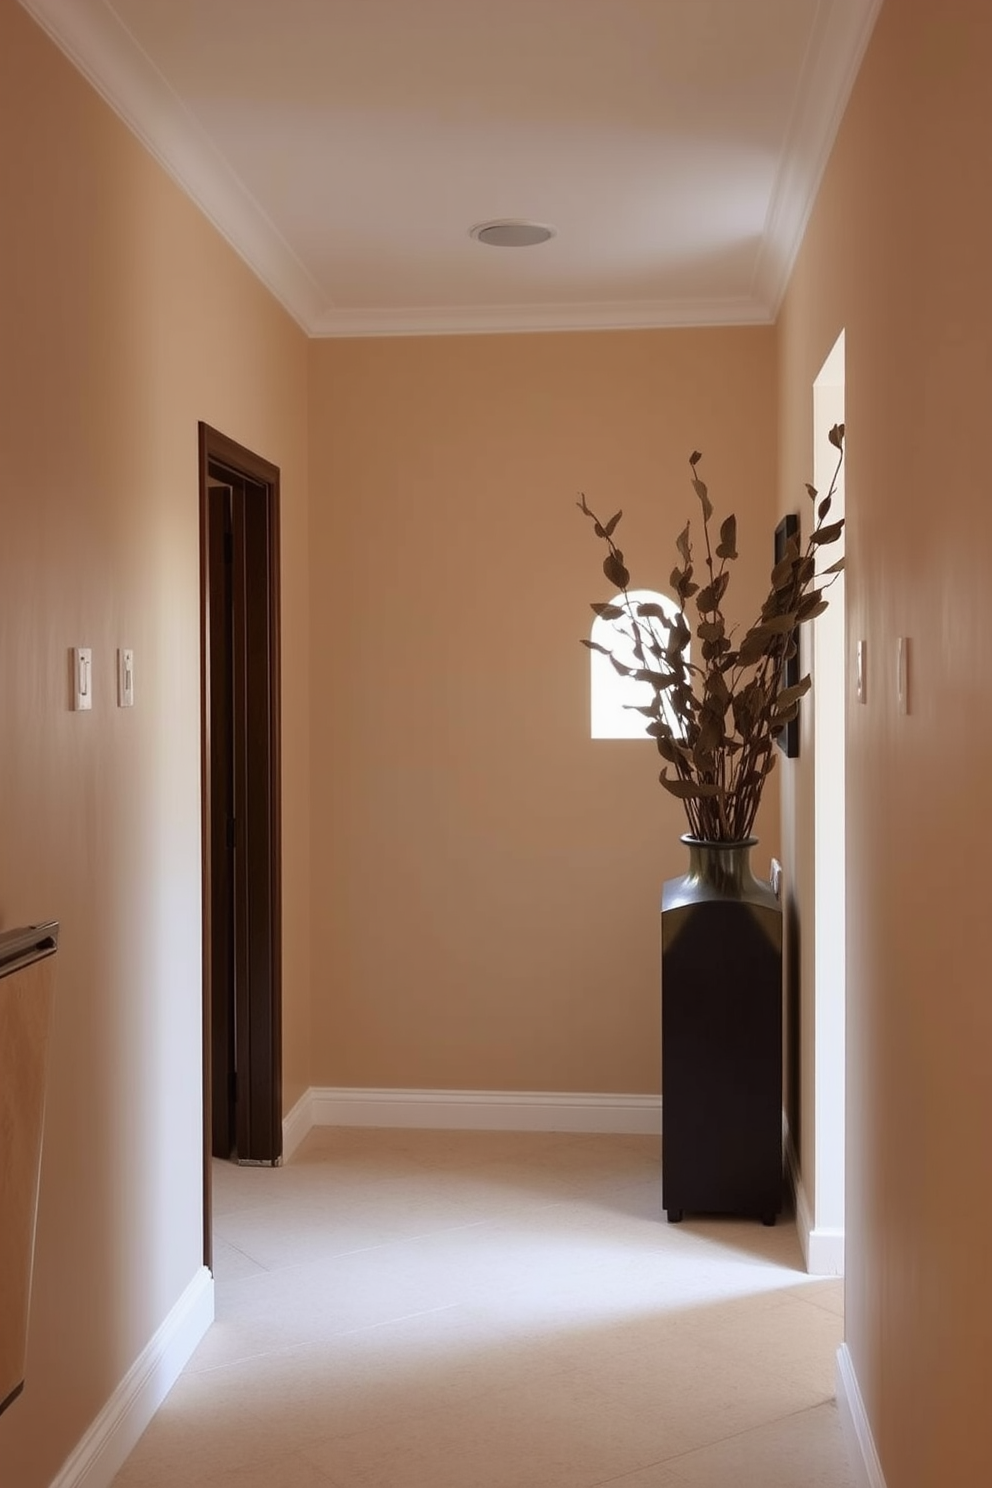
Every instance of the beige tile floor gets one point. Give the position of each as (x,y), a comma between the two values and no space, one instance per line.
(417,1309)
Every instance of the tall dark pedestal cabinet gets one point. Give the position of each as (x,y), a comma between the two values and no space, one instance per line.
(721,1018)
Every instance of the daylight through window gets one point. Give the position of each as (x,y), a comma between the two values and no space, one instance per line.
(616,699)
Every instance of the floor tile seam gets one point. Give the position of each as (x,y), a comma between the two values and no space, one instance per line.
(402,1451)
(616,1382)
(770,1296)
(741,1356)
(330,1189)
(241,1252)
(822,1307)
(325,1439)
(462,1164)
(284,1350)
(320,1260)
(425,1413)
(404,1317)
(442,1409)
(347,1211)
(740,1323)
(670,1464)
(792,1378)
(509,1218)
(544,1374)
(262,1211)
(322,1192)
(780,1306)
(194,1371)
(543,1206)
(628,1472)
(643,1173)
(315,1201)
(330,1438)
(271,1268)
(222,1214)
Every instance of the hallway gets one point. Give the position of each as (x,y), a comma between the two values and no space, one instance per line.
(436,1309)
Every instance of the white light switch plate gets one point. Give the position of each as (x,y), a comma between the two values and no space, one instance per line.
(902,674)
(82,677)
(125,678)
(861,686)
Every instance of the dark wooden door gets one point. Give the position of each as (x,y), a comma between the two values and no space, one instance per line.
(241,816)
(219,949)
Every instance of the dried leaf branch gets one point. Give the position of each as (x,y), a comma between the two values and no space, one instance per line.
(715,724)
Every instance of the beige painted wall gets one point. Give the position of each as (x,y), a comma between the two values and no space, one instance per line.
(898,253)
(123,320)
(486,878)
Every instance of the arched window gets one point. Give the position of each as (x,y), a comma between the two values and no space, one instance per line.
(615,699)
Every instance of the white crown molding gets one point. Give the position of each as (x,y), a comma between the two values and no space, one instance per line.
(100,1454)
(477,1110)
(104,51)
(841,32)
(607,315)
(98,44)
(861,1450)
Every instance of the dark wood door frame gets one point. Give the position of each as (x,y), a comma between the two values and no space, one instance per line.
(241,806)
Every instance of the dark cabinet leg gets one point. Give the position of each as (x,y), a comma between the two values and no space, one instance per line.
(768,1219)
(674,1216)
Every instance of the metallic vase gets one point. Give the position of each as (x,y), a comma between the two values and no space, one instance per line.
(721,1015)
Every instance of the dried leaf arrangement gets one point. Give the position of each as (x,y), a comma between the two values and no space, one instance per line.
(715,723)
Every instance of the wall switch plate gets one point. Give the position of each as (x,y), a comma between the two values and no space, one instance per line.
(902,674)
(82,677)
(125,678)
(861,685)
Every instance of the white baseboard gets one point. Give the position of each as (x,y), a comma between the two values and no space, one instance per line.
(474,1110)
(100,1454)
(822,1246)
(296,1124)
(854,1420)
(824,1252)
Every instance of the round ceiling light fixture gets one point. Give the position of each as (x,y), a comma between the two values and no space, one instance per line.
(511,232)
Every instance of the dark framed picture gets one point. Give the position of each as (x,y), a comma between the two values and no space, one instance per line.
(788,739)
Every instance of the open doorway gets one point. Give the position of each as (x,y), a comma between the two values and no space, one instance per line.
(242,993)
(829,697)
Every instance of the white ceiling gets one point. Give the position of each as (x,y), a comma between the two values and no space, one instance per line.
(346,147)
